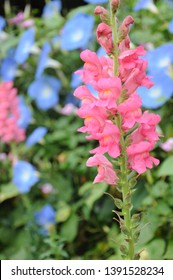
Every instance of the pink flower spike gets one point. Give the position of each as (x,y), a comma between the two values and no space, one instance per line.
(105,169)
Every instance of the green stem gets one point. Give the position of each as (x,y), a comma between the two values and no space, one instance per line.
(124,182)
(115,40)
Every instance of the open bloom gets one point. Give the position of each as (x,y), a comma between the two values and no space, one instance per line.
(45,218)
(24,176)
(36,136)
(105,169)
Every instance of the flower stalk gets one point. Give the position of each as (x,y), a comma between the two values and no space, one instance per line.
(115,118)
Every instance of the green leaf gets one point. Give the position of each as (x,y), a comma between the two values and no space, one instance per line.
(63,211)
(159,189)
(8,191)
(169,251)
(166,168)
(156,249)
(70,228)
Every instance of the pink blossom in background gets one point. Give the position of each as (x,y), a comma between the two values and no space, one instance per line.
(20,20)
(9,114)
(167,146)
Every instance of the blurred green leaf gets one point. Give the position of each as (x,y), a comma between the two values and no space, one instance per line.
(8,191)
(69,229)
(166,168)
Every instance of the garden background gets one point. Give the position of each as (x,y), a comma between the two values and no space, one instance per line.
(49,207)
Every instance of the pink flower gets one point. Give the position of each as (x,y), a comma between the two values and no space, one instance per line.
(139,158)
(9,114)
(109,90)
(124,28)
(130,111)
(95,118)
(108,140)
(168,145)
(105,169)
(95,67)
(104,37)
(17,19)
(83,93)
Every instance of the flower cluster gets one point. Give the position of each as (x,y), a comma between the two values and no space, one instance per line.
(115,118)
(9,114)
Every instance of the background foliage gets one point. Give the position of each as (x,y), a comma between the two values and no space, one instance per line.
(63,215)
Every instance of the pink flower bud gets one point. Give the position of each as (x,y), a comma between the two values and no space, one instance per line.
(104,37)
(114,5)
(124,28)
(102,12)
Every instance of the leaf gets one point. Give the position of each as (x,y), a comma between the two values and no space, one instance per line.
(8,191)
(169,251)
(63,211)
(159,189)
(166,168)
(156,249)
(70,228)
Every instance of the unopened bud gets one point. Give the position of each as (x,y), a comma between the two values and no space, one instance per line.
(103,13)
(124,28)
(114,5)
(104,37)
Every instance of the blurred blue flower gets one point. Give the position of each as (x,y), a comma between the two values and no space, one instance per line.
(25,113)
(45,218)
(2,23)
(145,4)
(170,26)
(77,32)
(101,52)
(92,90)
(157,95)
(36,136)
(45,91)
(75,80)
(43,59)
(25,45)
(71,99)
(160,58)
(52,8)
(8,69)
(24,176)
(96,1)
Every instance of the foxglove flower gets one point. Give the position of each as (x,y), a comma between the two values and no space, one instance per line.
(25,45)
(45,92)
(45,218)
(24,176)
(75,35)
(36,136)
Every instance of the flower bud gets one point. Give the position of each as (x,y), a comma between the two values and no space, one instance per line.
(124,28)
(114,5)
(104,37)
(103,13)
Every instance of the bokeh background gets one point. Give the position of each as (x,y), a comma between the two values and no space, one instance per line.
(49,208)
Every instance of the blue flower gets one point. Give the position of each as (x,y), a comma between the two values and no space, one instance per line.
(145,4)
(77,32)
(8,69)
(101,52)
(2,23)
(25,113)
(157,95)
(43,59)
(52,8)
(24,176)
(96,1)
(45,92)
(75,80)
(71,99)
(170,26)
(36,136)
(25,45)
(45,218)
(160,58)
